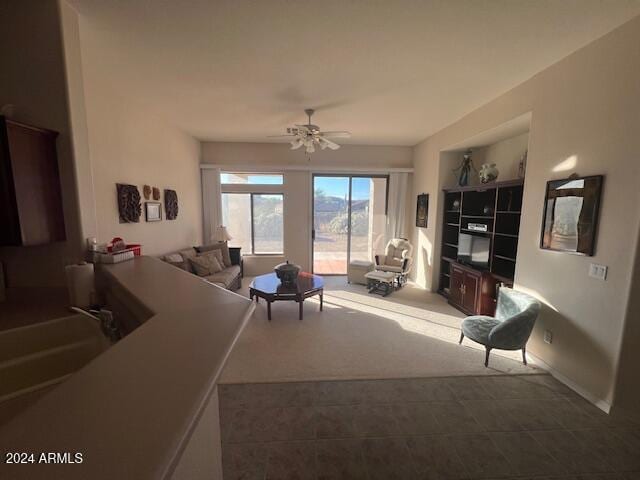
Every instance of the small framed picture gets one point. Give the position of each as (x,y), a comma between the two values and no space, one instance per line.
(153,211)
(422,210)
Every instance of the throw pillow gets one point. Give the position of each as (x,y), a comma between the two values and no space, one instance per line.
(222,246)
(176,260)
(173,258)
(186,255)
(216,253)
(205,265)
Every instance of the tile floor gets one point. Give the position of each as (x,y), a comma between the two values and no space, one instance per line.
(428,428)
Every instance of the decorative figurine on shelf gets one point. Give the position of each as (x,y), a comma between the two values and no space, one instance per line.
(465,169)
(488,173)
(522,166)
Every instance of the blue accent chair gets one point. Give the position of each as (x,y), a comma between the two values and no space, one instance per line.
(516,313)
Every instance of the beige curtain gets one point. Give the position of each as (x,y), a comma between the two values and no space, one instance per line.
(397,206)
(211,202)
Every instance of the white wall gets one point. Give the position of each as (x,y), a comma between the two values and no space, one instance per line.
(270,154)
(297,184)
(584,106)
(627,396)
(128,145)
(506,154)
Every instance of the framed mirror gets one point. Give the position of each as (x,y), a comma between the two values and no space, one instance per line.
(570,219)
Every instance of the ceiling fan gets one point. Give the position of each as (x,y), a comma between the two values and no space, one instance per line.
(310,136)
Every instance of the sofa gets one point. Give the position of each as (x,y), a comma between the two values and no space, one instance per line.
(230,277)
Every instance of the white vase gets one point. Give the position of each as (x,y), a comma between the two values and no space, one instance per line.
(488,173)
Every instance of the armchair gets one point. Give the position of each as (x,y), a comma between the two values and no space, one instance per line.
(516,314)
(397,259)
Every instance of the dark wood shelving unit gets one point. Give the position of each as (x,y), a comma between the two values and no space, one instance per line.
(498,206)
(505,258)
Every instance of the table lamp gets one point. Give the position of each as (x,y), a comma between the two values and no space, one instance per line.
(221,234)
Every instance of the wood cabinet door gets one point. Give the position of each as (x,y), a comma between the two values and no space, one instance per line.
(456,286)
(470,296)
(36,180)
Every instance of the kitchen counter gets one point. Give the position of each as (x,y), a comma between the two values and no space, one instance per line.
(132,410)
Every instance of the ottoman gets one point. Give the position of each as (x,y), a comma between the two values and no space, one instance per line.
(357,271)
(382,283)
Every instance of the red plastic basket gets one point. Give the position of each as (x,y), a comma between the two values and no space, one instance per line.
(136,248)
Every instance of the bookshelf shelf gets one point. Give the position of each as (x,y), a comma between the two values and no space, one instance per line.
(465,205)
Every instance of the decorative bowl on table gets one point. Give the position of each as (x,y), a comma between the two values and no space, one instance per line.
(287,273)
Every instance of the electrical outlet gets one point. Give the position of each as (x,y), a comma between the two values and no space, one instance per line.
(598,271)
(548,337)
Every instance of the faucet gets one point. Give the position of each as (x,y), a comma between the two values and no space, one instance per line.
(105,318)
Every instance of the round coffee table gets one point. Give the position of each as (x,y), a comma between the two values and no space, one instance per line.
(269,287)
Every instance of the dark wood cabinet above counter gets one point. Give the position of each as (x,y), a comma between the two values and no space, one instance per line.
(30,193)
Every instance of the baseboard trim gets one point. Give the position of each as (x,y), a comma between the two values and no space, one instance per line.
(598,402)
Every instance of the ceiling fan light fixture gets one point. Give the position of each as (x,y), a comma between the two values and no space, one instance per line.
(310,136)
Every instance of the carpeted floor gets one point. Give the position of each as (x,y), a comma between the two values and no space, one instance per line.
(411,333)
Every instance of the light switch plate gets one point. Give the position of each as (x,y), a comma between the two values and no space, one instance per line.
(548,337)
(598,271)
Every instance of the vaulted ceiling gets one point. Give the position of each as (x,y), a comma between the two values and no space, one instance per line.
(392,72)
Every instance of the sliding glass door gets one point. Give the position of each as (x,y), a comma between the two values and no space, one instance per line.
(349,217)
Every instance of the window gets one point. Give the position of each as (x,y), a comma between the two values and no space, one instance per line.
(254,220)
(251,178)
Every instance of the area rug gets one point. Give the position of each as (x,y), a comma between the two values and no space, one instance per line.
(411,333)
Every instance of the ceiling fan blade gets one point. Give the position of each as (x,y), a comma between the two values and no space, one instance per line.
(328,143)
(338,134)
(286,135)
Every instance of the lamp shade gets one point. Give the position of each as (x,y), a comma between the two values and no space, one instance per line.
(222,235)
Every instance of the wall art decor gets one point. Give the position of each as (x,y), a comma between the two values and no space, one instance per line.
(129,207)
(570,219)
(146,191)
(153,211)
(422,210)
(156,193)
(170,204)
